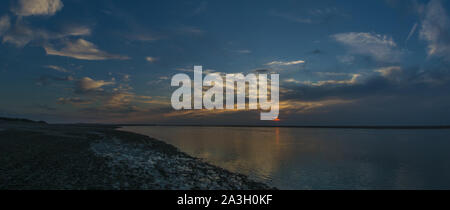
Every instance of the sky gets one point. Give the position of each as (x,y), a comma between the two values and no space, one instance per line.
(340,62)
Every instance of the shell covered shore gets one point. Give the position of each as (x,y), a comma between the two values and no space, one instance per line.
(42,156)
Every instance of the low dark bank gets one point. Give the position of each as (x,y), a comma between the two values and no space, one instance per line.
(407,127)
(36,155)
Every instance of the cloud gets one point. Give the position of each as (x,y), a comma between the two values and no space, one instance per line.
(413,30)
(5,23)
(120,99)
(351,81)
(205,71)
(190,30)
(346,59)
(386,82)
(435,29)
(20,34)
(75,30)
(74,101)
(298,106)
(282,63)
(57,68)
(389,71)
(382,48)
(46,80)
(82,50)
(151,59)
(126,78)
(358,99)
(37,7)
(392,94)
(292,80)
(87,84)
(144,37)
(123,104)
(261,71)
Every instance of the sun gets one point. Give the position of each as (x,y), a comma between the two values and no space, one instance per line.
(277,120)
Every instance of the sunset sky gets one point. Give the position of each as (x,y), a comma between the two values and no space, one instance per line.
(340,62)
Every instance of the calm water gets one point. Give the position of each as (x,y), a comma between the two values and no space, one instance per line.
(304,158)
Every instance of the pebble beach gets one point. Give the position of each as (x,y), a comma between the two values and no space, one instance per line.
(38,156)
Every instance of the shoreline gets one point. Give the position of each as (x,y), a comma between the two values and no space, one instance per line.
(375,127)
(43,156)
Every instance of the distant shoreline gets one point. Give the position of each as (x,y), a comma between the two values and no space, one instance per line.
(295,126)
(405,127)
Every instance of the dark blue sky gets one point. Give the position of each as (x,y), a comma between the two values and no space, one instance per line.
(340,62)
